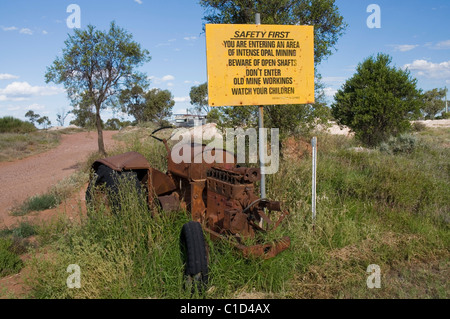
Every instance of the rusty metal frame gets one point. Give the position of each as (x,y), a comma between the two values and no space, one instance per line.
(221,196)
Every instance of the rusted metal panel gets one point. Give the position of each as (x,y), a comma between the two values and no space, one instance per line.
(170,203)
(267,251)
(161,183)
(196,168)
(127,161)
(198,203)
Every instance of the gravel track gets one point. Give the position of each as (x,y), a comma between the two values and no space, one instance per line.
(34,175)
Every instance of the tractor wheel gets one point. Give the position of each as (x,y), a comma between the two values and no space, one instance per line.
(193,248)
(111,179)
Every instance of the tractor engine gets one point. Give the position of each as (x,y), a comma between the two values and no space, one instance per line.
(233,207)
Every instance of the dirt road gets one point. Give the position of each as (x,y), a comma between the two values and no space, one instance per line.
(34,175)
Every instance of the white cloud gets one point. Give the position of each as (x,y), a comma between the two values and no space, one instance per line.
(334,79)
(404,47)
(168,78)
(138,1)
(443,45)
(330,92)
(9,28)
(35,107)
(165,44)
(190,38)
(6,76)
(430,69)
(21,91)
(182,99)
(26,31)
(44,32)
(165,78)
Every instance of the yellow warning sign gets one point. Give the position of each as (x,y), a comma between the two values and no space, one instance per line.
(260,64)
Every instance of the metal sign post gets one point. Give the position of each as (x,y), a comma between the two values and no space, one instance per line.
(262,153)
(314,179)
(257,65)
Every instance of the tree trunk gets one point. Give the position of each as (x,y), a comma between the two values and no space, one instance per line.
(98,122)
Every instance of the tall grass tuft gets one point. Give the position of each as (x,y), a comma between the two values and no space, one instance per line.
(10,263)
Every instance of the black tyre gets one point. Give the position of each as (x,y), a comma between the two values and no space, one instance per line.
(110,179)
(193,248)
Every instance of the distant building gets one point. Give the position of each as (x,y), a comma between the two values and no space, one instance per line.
(188,120)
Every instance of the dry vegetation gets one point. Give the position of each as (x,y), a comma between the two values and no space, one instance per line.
(373,208)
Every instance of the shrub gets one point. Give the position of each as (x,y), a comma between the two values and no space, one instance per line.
(418,127)
(403,144)
(9,124)
(37,204)
(24,230)
(378,101)
(10,263)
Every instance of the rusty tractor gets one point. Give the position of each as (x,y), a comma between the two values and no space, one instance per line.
(220,197)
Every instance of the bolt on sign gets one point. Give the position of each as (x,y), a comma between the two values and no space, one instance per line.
(260,64)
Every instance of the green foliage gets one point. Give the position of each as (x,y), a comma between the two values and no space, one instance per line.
(445,116)
(10,263)
(158,106)
(84,117)
(37,203)
(418,127)
(44,121)
(95,67)
(402,144)
(9,124)
(33,117)
(24,230)
(199,99)
(433,102)
(214,116)
(36,118)
(378,101)
(116,124)
(154,105)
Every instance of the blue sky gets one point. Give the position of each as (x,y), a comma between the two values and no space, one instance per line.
(32,34)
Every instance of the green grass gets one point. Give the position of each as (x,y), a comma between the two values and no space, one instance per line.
(373,208)
(24,230)
(18,144)
(36,204)
(10,263)
(55,196)
(15,146)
